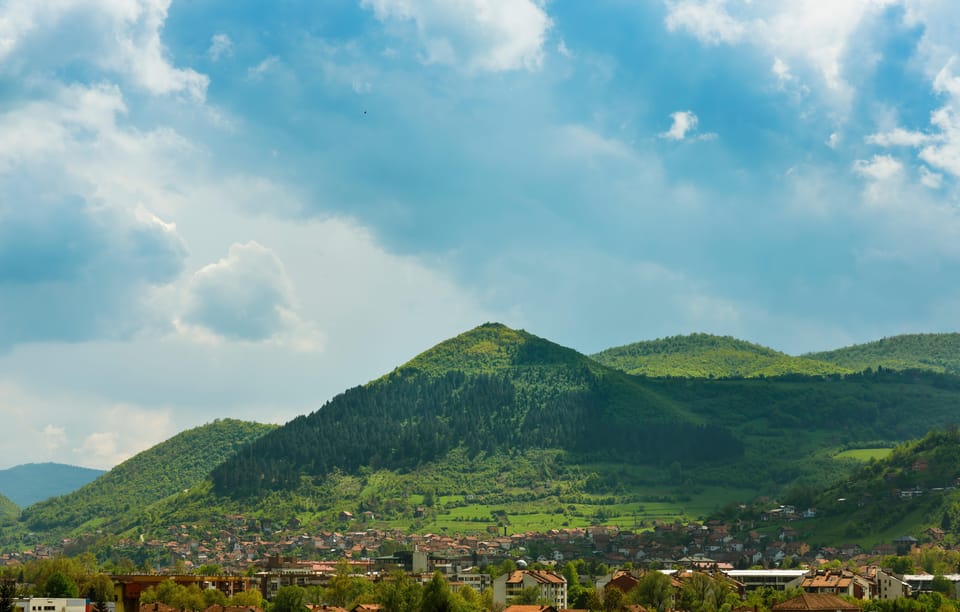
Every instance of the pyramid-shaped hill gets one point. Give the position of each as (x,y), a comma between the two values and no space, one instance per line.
(490,390)
(494,347)
(709,356)
(936,352)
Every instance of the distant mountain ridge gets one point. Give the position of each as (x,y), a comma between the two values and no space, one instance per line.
(936,352)
(708,356)
(33,482)
(701,355)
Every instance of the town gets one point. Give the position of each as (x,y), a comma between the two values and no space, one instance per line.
(758,564)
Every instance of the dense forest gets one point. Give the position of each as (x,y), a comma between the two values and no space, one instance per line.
(411,418)
(937,352)
(708,356)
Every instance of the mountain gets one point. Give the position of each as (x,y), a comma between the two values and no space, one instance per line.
(32,482)
(708,356)
(498,426)
(937,352)
(490,390)
(165,469)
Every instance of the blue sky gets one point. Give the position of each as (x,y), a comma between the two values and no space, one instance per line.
(238,209)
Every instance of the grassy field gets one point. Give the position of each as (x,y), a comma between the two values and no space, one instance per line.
(864,454)
(454,514)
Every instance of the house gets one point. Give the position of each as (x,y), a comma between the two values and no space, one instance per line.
(552,586)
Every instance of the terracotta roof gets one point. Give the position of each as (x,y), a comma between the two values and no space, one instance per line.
(815,601)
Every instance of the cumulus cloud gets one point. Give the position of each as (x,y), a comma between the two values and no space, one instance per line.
(878,168)
(684,126)
(811,32)
(485,35)
(71,269)
(78,254)
(118,37)
(709,21)
(246,296)
(940,147)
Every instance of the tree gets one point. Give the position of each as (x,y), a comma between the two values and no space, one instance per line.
(60,585)
(941,585)
(655,590)
(252,598)
(99,590)
(8,596)
(613,600)
(437,596)
(400,593)
(289,599)
(214,597)
(527,596)
(188,598)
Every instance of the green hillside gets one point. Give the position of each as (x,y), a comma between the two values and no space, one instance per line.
(499,426)
(491,390)
(910,490)
(165,469)
(708,356)
(8,510)
(32,482)
(937,352)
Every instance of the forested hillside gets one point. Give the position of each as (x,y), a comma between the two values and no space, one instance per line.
(937,352)
(911,489)
(32,482)
(170,467)
(499,422)
(8,510)
(489,390)
(708,356)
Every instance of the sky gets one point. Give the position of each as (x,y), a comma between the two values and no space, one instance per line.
(238,209)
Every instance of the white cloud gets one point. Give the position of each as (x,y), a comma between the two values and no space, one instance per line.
(80,245)
(834,140)
(683,122)
(53,439)
(684,126)
(109,447)
(939,148)
(899,137)
(707,20)
(220,46)
(119,36)
(933,180)
(247,296)
(814,33)
(781,70)
(484,35)
(879,168)
(255,73)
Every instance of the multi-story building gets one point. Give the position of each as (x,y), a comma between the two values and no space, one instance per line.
(552,586)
